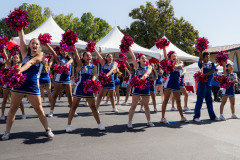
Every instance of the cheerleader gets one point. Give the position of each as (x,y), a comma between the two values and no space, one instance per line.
(159,82)
(229,93)
(142,71)
(45,80)
(131,72)
(172,85)
(117,73)
(61,79)
(32,66)
(153,77)
(107,67)
(88,70)
(16,61)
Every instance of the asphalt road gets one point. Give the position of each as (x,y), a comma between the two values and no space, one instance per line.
(208,140)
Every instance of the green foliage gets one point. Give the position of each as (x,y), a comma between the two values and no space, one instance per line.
(152,23)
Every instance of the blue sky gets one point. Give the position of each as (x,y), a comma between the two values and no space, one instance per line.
(218,20)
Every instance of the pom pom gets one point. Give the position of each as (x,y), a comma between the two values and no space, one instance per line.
(121,64)
(225,82)
(217,78)
(14,50)
(49,56)
(3,43)
(10,44)
(96,61)
(141,84)
(199,77)
(202,44)
(61,69)
(222,57)
(91,86)
(45,38)
(126,43)
(154,60)
(147,62)
(12,78)
(167,66)
(104,79)
(162,43)
(69,38)
(57,49)
(122,56)
(125,78)
(170,53)
(17,19)
(90,46)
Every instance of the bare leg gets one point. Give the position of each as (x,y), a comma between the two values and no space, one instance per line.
(110,92)
(57,89)
(176,96)
(145,100)
(91,103)
(100,95)
(135,99)
(128,93)
(48,88)
(232,102)
(22,108)
(68,89)
(153,96)
(5,97)
(72,110)
(184,92)
(42,92)
(224,100)
(117,93)
(161,91)
(167,94)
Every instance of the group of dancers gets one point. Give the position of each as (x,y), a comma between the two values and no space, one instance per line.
(37,67)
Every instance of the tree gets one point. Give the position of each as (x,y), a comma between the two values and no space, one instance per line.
(152,23)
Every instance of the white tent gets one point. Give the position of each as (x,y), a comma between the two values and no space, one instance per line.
(51,27)
(111,42)
(181,54)
(194,67)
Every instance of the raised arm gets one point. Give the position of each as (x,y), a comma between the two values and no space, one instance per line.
(183,73)
(57,59)
(164,53)
(102,61)
(134,60)
(77,58)
(23,45)
(147,73)
(200,57)
(155,73)
(6,58)
(112,69)
(35,60)
(69,62)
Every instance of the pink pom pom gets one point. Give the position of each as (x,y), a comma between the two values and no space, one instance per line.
(61,69)
(91,86)
(121,64)
(69,38)
(96,61)
(202,44)
(167,65)
(122,56)
(199,77)
(49,56)
(57,49)
(3,43)
(217,78)
(126,43)
(147,62)
(104,79)
(162,43)
(17,19)
(90,46)
(141,84)
(222,57)
(170,53)
(14,50)
(125,78)
(225,82)
(45,38)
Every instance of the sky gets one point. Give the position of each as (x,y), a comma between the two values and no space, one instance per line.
(217,20)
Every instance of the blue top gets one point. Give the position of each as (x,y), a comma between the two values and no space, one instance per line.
(85,73)
(106,68)
(232,77)
(63,61)
(214,83)
(207,67)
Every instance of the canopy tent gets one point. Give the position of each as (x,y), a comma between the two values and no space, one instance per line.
(111,42)
(194,67)
(51,27)
(181,54)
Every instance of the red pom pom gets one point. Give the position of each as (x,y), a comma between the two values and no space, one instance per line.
(170,53)
(121,64)
(225,82)
(141,84)
(202,44)
(104,79)
(167,66)
(57,49)
(49,56)
(69,38)
(90,46)
(222,57)
(61,69)
(122,56)
(14,50)
(3,43)
(126,43)
(217,78)
(10,44)
(96,61)
(162,43)
(45,38)
(154,60)
(91,86)
(199,77)
(125,78)
(17,19)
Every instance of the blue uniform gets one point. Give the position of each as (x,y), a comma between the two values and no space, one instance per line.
(173,81)
(230,92)
(182,80)
(159,80)
(31,84)
(63,78)
(44,77)
(130,77)
(116,80)
(204,91)
(152,88)
(105,69)
(84,74)
(140,72)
